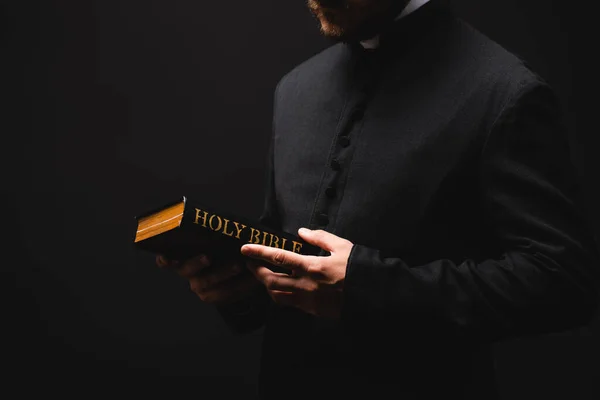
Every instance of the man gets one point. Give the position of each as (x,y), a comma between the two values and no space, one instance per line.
(432,169)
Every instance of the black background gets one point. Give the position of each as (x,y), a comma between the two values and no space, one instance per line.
(114,106)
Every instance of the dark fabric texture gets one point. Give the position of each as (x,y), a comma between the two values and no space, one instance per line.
(443,158)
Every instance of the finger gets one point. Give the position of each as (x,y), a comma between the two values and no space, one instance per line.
(280,282)
(285,298)
(277,256)
(160,261)
(194,266)
(323,239)
(164,262)
(260,272)
(252,264)
(210,278)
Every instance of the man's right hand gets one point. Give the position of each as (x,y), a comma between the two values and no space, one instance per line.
(215,283)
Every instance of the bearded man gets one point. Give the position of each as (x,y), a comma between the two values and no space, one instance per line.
(431,167)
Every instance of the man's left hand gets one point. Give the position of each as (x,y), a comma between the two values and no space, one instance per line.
(315,284)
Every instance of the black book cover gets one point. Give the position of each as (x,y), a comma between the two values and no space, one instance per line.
(195,228)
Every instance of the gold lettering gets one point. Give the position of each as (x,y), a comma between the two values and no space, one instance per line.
(264,242)
(210,222)
(274,243)
(297,247)
(239,230)
(203,217)
(283,240)
(225,228)
(254,235)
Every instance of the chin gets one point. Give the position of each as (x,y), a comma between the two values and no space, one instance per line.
(332,30)
(338,26)
(347,24)
(347,33)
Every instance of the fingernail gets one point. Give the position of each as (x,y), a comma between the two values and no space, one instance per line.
(303,230)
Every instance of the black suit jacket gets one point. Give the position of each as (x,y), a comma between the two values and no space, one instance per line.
(443,158)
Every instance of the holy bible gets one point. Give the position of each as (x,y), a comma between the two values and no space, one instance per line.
(185,228)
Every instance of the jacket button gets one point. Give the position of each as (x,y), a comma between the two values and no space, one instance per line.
(344,141)
(335,165)
(323,219)
(330,192)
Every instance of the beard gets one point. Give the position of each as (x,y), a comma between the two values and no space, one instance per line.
(354,20)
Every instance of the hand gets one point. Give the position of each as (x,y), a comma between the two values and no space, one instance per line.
(215,283)
(316,283)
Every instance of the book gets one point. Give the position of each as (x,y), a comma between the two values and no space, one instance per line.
(185,228)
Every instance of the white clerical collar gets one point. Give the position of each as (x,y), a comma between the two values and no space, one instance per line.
(412,5)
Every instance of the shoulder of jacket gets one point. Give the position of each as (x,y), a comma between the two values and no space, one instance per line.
(312,67)
(507,70)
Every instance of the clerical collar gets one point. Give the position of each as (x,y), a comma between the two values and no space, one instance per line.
(373,43)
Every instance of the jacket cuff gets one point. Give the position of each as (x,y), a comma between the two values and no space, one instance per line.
(363,294)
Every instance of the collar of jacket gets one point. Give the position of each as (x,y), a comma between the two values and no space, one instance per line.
(403,31)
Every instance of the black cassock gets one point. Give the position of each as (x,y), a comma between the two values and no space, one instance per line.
(443,158)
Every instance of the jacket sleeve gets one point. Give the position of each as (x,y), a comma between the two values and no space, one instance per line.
(250,314)
(544,280)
